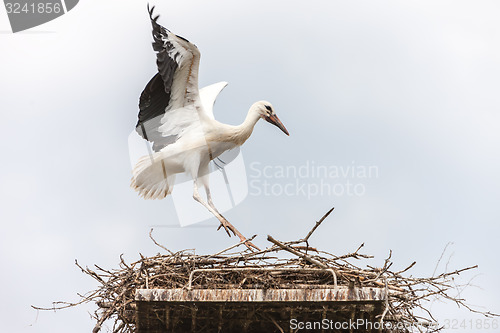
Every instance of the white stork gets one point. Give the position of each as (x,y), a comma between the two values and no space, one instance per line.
(178,119)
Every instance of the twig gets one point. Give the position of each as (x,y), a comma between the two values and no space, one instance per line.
(233,246)
(297,253)
(407,268)
(306,239)
(157,244)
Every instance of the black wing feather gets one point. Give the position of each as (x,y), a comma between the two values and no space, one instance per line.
(155,97)
(153,101)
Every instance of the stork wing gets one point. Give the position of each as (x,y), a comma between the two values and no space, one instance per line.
(169,104)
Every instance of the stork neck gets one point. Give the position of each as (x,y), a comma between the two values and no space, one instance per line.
(244,130)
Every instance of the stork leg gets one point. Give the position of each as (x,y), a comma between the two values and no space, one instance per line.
(211,207)
(197,197)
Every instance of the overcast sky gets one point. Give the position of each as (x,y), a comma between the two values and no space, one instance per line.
(409,88)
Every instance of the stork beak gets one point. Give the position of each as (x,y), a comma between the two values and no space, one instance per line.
(273,119)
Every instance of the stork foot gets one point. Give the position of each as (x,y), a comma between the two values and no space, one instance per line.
(229,227)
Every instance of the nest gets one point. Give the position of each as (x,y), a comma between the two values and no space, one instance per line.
(283,265)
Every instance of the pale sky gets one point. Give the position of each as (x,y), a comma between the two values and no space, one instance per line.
(408,88)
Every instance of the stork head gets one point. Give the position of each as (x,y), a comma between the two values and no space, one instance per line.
(266,112)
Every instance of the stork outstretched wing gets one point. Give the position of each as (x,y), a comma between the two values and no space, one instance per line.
(170,104)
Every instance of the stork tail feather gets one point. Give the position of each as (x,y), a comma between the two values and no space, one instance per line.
(150,178)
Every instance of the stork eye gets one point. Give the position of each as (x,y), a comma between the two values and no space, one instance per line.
(268,108)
